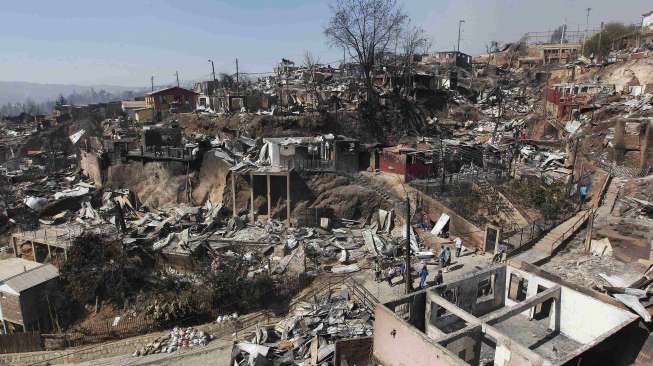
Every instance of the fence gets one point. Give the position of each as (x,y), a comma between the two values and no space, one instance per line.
(164,153)
(100,331)
(20,342)
(104,330)
(524,237)
(315,165)
(310,217)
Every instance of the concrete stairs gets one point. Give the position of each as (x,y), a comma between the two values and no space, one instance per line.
(545,247)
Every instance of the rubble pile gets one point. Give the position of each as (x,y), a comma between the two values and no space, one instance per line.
(178,339)
(310,332)
(637,295)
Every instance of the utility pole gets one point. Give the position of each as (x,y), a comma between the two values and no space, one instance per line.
(587,29)
(212,68)
(598,50)
(237,79)
(407,273)
(177,75)
(152,82)
(460,23)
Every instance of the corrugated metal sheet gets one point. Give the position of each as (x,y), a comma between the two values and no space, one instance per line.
(32,277)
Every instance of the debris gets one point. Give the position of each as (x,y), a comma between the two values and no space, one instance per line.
(440,224)
(630,301)
(178,338)
(346,269)
(601,247)
(309,332)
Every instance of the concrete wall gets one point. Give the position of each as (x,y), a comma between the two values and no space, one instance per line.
(472,235)
(466,345)
(466,291)
(397,343)
(91,167)
(582,317)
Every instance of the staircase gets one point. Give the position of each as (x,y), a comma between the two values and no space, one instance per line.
(364,181)
(546,246)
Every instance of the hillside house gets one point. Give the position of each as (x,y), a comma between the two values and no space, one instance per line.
(24,290)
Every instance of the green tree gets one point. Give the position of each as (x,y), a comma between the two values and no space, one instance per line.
(600,43)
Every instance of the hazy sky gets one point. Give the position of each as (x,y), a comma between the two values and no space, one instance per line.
(122,42)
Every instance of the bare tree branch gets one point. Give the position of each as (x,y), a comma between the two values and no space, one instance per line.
(365,28)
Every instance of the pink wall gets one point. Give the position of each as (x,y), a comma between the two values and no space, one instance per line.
(408,346)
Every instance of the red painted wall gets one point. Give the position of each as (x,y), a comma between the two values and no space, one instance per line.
(397,164)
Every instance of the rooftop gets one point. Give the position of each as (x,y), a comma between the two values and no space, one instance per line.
(171,90)
(17,274)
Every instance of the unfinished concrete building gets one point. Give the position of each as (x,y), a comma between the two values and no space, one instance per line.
(507,315)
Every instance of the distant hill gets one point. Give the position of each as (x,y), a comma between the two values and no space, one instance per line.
(20,91)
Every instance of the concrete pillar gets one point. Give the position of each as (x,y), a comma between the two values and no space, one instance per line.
(49,252)
(288,201)
(269,196)
(619,141)
(646,146)
(233,193)
(554,322)
(251,196)
(34,252)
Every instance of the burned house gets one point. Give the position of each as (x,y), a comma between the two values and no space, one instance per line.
(159,136)
(129,107)
(321,153)
(567,100)
(512,314)
(408,162)
(24,290)
(449,58)
(173,100)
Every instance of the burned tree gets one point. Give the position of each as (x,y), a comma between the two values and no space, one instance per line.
(413,42)
(365,28)
(311,62)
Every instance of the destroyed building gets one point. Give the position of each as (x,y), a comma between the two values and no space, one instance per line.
(170,100)
(507,315)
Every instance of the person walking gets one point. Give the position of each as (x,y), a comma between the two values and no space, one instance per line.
(423,273)
(459,245)
(377,270)
(447,258)
(584,191)
(441,256)
(499,253)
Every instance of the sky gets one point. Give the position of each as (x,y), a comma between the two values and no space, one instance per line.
(124,42)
